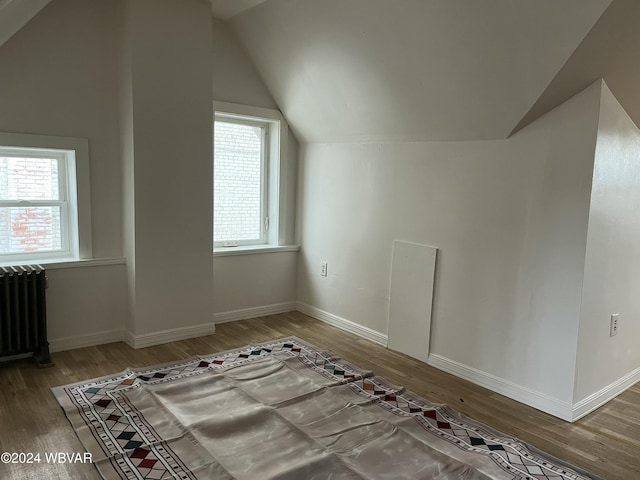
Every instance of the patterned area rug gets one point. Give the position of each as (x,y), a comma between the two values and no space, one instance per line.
(285,410)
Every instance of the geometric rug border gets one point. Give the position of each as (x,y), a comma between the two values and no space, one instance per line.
(435,418)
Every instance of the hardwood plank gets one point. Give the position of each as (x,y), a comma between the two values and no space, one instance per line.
(606,442)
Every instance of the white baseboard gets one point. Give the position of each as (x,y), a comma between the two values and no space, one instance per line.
(342,323)
(166,336)
(253,312)
(596,400)
(541,401)
(88,340)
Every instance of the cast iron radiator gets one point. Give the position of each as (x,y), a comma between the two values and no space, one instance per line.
(23,312)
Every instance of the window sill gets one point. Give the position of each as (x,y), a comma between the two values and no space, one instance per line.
(253,249)
(59,263)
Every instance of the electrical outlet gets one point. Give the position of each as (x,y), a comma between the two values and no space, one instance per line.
(613,328)
(323,269)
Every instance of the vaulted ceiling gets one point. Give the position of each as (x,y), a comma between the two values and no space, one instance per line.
(424,70)
(225,9)
(14,14)
(610,51)
(408,70)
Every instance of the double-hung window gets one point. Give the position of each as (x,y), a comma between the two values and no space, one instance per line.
(247,169)
(38,204)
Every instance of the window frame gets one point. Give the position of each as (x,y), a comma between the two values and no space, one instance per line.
(73,170)
(273,180)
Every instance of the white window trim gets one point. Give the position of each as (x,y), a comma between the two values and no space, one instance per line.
(277,170)
(78,170)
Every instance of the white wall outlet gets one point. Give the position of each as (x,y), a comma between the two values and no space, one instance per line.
(613,328)
(323,269)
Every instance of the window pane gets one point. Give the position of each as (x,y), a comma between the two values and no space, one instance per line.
(237,182)
(29,178)
(30,229)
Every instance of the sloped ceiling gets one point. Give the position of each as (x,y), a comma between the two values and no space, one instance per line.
(611,51)
(14,14)
(225,9)
(364,70)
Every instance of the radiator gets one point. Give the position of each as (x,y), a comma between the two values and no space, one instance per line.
(23,313)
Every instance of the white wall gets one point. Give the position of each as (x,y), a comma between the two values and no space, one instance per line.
(257,280)
(86,305)
(127,151)
(107,71)
(498,211)
(172,111)
(60,77)
(611,277)
(561,146)
(235,79)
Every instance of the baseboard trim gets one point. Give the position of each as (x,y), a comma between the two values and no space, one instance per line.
(342,323)
(596,400)
(88,340)
(538,400)
(170,335)
(253,312)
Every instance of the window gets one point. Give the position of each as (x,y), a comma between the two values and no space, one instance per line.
(240,200)
(247,170)
(39,215)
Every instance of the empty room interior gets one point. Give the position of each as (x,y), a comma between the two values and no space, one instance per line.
(443,192)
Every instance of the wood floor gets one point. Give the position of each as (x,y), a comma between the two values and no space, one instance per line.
(606,442)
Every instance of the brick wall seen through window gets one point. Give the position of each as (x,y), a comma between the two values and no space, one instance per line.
(25,229)
(238,157)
